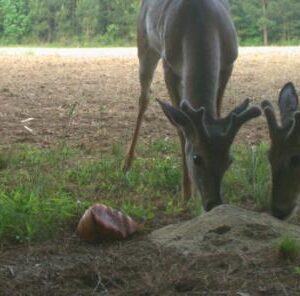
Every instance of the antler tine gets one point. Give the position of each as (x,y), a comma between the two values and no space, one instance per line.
(266,103)
(238,110)
(251,113)
(271,118)
(198,117)
(237,120)
(186,107)
(295,128)
(242,107)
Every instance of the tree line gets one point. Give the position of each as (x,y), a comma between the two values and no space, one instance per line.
(113,22)
(267,21)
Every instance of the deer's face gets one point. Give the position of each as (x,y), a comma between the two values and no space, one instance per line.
(284,154)
(208,141)
(285,165)
(207,164)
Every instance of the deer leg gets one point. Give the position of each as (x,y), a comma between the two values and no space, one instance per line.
(223,80)
(148,63)
(173,84)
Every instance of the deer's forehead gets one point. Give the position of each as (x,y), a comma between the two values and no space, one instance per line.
(215,147)
(214,127)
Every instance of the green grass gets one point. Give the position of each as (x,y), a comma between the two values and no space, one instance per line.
(248,180)
(44,191)
(288,249)
(26,216)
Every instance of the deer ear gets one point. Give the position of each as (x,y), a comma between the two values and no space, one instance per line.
(288,100)
(177,118)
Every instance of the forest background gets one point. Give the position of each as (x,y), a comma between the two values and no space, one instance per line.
(88,23)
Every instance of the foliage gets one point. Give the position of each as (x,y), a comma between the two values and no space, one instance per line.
(111,22)
(15,20)
(280,19)
(67,21)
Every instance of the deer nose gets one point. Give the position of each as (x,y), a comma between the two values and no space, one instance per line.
(280,214)
(212,204)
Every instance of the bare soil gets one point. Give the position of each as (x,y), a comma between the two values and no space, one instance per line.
(105,93)
(101,94)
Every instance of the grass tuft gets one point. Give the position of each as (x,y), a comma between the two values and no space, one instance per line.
(288,249)
(25,217)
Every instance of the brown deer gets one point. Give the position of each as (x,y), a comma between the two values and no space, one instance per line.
(196,41)
(284,154)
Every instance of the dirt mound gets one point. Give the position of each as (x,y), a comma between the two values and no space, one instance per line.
(225,229)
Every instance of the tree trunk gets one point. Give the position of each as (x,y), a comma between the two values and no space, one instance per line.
(264,26)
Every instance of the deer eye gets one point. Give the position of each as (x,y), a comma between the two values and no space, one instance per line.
(198,160)
(295,161)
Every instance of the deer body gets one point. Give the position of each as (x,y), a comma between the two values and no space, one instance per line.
(196,41)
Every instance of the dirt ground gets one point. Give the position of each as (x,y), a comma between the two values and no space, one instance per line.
(92,102)
(104,92)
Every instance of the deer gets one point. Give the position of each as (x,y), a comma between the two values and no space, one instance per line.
(196,41)
(284,152)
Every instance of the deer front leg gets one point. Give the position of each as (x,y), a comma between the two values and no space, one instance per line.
(223,80)
(148,63)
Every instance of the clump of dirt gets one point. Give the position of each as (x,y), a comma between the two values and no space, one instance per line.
(226,229)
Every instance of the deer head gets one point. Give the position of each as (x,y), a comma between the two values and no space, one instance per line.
(208,142)
(284,154)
